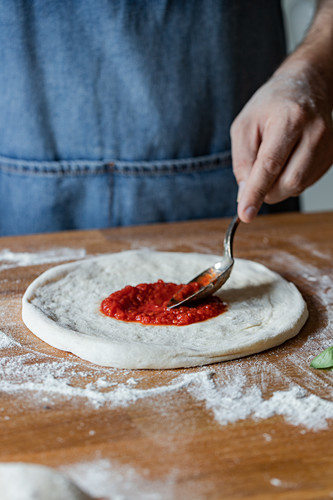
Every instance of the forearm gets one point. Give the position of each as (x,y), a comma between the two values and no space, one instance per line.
(314,56)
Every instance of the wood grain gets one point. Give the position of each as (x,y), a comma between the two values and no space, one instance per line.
(172,442)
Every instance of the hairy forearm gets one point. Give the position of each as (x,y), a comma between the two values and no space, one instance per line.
(314,56)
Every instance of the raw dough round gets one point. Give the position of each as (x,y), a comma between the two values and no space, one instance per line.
(21,481)
(62,308)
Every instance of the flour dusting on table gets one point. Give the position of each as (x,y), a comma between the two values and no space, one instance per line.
(103,478)
(230,392)
(11,259)
(224,390)
(6,341)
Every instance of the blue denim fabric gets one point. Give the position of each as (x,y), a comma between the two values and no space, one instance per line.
(82,195)
(118,112)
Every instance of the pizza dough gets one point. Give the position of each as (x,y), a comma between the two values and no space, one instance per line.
(21,481)
(62,308)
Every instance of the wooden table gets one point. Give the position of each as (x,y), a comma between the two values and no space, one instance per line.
(172,446)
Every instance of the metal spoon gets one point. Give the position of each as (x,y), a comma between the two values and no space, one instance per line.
(214,277)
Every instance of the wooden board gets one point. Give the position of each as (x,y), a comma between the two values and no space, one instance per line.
(172,444)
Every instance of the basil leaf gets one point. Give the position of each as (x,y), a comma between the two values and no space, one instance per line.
(324,359)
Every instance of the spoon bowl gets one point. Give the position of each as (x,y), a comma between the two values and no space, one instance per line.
(212,278)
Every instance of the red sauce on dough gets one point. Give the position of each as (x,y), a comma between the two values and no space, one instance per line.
(147,304)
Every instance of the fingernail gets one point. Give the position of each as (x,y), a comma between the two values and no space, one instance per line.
(250,213)
(241,186)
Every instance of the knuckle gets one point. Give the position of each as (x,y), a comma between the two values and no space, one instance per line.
(240,165)
(270,198)
(296,110)
(275,197)
(260,193)
(298,115)
(235,127)
(320,130)
(296,184)
(318,138)
(271,166)
(297,191)
(240,124)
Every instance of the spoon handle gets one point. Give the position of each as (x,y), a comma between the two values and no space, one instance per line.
(229,236)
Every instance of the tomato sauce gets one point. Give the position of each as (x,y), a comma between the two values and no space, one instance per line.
(146,303)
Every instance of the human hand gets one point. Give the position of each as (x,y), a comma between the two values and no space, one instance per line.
(282,141)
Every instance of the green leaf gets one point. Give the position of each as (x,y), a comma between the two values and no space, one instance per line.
(324,359)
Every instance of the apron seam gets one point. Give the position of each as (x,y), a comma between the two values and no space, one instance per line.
(120,167)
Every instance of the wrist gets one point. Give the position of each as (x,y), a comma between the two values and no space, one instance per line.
(311,74)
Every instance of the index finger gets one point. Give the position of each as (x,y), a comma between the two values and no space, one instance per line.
(273,154)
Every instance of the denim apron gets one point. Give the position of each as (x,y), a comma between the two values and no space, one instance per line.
(118,112)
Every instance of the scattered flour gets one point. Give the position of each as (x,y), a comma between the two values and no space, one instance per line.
(11,259)
(310,247)
(228,391)
(102,478)
(298,408)
(6,341)
(233,401)
(225,391)
(282,484)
